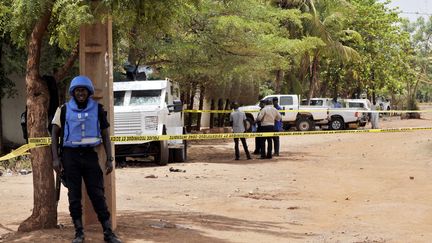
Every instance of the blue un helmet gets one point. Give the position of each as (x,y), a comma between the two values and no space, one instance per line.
(81,81)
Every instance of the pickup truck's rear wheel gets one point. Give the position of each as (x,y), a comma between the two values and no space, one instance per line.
(305,124)
(162,157)
(249,124)
(337,123)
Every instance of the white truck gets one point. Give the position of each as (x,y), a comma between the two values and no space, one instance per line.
(150,107)
(351,115)
(304,118)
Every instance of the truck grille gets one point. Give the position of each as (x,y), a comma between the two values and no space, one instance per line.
(127,123)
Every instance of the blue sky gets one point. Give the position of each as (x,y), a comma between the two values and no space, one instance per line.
(413,6)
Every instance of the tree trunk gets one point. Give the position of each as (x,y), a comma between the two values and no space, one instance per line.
(314,76)
(1,118)
(63,71)
(200,107)
(190,107)
(212,106)
(279,77)
(44,206)
(227,107)
(1,128)
(220,115)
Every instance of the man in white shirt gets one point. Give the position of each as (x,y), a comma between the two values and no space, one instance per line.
(267,116)
(238,120)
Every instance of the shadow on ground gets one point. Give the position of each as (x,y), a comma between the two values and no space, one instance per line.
(162,226)
(224,155)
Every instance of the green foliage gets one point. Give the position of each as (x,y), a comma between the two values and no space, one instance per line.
(68,16)
(233,47)
(385,52)
(24,16)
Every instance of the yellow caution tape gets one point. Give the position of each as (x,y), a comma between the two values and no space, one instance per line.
(45,141)
(315,110)
(20,151)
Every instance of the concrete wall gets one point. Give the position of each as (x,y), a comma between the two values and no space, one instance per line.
(11,112)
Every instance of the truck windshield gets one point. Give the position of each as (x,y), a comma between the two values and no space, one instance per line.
(145,97)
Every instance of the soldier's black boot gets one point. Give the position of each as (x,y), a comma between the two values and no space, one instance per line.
(109,235)
(79,231)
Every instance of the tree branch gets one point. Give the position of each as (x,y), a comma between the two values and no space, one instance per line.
(62,72)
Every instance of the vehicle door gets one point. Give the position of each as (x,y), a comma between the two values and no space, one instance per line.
(288,103)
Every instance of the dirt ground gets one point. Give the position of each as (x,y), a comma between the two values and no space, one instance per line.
(372,187)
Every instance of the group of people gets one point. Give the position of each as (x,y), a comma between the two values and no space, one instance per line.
(269,119)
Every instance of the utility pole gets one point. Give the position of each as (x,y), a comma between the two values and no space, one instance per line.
(96,62)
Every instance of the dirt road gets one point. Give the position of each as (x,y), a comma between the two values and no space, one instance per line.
(323,188)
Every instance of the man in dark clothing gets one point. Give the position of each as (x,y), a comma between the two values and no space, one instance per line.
(83,124)
(238,121)
(258,129)
(277,128)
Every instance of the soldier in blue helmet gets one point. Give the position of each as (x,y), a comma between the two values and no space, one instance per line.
(82,125)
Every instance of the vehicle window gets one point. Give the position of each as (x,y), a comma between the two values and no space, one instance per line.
(119,98)
(316,102)
(355,105)
(145,97)
(286,100)
(303,102)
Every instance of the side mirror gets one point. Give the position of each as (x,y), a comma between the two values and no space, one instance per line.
(177,106)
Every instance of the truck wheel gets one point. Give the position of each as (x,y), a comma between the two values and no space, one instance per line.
(305,124)
(163,154)
(286,127)
(337,123)
(180,155)
(249,124)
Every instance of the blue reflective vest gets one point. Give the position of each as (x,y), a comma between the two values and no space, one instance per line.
(81,125)
(278,127)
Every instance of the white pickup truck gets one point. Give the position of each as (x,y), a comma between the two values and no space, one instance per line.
(351,115)
(303,118)
(149,108)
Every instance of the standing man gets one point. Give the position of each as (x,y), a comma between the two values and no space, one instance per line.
(375,116)
(257,125)
(83,125)
(278,127)
(267,116)
(238,122)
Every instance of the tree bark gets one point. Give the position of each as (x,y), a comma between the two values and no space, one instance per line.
(200,107)
(190,107)
(44,207)
(212,106)
(314,76)
(220,115)
(224,115)
(1,118)
(1,128)
(63,71)
(279,77)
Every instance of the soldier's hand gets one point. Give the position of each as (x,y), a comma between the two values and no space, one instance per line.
(108,166)
(57,166)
